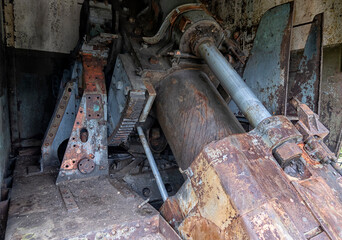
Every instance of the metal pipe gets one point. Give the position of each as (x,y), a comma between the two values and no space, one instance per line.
(153,165)
(231,81)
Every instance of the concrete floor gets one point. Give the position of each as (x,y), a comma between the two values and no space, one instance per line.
(88,209)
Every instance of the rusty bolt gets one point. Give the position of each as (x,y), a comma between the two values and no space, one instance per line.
(287,152)
(86,166)
(146,192)
(153,60)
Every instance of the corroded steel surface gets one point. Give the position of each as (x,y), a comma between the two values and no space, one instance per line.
(129,118)
(192,114)
(60,126)
(305,85)
(241,192)
(92,117)
(266,71)
(170,19)
(313,132)
(126,100)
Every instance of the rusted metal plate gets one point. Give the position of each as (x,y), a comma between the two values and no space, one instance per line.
(145,184)
(68,199)
(240,191)
(259,187)
(269,221)
(60,126)
(325,204)
(321,236)
(266,71)
(94,105)
(306,82)
(166,230)
(196,227)
(91,119)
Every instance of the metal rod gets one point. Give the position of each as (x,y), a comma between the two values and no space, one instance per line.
(231,81)
(153,165)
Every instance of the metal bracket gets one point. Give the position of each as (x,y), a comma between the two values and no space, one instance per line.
(86,154)
(60,126)
(267,69)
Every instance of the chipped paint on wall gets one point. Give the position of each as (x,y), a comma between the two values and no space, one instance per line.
(51,25)
(245,15)
(46,25)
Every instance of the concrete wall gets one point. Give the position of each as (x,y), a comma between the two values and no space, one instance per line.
(39,34)
(244,16)
(45,25)
(52,25)
(331,95)
(5,140)
(33,77)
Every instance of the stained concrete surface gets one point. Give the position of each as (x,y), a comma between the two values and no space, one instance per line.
(38,211)
(46,25)
(5,139)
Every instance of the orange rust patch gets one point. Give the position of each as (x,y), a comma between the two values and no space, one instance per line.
(306,156)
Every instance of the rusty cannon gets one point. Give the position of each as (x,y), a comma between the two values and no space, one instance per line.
(273,182)
(168,106)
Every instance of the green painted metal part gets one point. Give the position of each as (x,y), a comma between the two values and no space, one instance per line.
(266,71)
